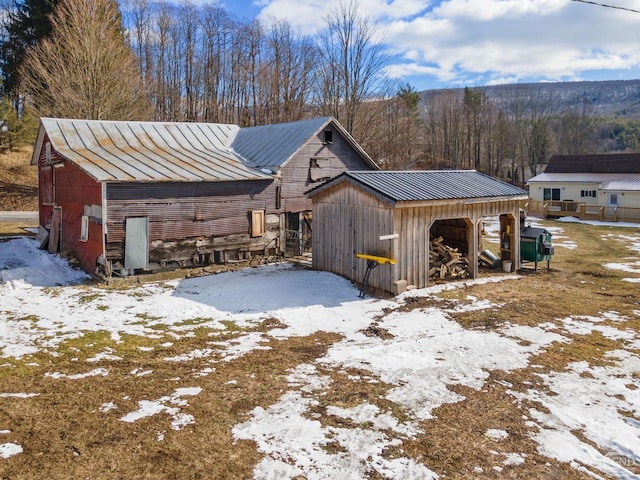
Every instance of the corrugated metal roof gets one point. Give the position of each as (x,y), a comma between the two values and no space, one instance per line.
(433,184)
(150,151)
(272,145)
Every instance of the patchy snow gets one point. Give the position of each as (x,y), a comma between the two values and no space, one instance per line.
(496,434)
(149,408)
(10,449)
(77,376)
(18,395)
(425,354)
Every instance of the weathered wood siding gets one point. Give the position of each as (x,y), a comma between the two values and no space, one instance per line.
(187,219)
(414,223)
(333,159)
(349,221)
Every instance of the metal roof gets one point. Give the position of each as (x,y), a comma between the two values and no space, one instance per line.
(148,151)
(430,184)
(605,181)
(595,163)
(270,146)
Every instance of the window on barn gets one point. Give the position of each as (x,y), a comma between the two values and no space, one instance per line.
(328,136)
(84,229)
(551,194)
(257,223)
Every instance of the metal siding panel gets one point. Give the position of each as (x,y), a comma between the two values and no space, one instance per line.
(136,252)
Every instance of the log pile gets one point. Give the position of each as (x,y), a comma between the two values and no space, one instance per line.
(446,262)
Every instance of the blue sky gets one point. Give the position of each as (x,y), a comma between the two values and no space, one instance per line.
(457,43)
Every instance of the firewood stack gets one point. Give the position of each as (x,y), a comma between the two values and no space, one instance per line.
(446,262)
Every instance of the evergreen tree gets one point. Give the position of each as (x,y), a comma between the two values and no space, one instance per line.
(27,22)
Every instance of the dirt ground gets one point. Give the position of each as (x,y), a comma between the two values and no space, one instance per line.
(18,181)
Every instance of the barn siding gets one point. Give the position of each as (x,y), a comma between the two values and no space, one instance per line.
(74,190)
(296,176)
(187,219)
(348,220)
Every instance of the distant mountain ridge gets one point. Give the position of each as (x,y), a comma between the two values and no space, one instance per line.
(608,98)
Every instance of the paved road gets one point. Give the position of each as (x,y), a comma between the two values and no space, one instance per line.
(30,218)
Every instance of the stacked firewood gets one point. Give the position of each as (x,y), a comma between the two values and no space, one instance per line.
(446,262)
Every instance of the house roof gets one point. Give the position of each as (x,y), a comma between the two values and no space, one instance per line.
(603,181)
(111,151)
(426,185)
(602,163)
(147,151)
(270,146)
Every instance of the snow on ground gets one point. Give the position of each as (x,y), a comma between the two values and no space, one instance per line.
(425,355)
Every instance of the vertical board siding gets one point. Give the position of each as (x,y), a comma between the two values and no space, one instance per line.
(348,220)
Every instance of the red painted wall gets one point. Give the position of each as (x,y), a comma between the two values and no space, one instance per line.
(72,191)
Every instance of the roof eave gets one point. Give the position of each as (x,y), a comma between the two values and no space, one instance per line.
(459,201)
(37,148)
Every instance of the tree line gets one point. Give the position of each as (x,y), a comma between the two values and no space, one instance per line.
(146,60)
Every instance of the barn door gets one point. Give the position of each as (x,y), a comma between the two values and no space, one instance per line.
(136,243)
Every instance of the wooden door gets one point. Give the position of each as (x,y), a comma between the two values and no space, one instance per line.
(54,233)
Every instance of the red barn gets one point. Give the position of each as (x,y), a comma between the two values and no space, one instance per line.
(126,197)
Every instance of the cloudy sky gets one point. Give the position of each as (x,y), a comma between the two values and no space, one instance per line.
(454,43)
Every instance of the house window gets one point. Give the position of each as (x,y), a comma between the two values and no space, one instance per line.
(613,199)
(84,229)
(257,223)
(588,193)
(551,194)
(328,136)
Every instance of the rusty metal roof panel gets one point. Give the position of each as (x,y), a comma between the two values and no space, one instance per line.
(427,185)
(150,151)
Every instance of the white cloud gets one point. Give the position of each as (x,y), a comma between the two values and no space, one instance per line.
(455,40)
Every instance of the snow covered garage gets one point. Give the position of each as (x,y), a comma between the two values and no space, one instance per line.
(397,214)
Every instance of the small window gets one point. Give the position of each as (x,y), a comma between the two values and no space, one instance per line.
(257,223)
(593,193)
(328,136)
(613,199)
(84,229)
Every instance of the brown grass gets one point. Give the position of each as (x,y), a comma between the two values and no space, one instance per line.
(18,180)
(65,435)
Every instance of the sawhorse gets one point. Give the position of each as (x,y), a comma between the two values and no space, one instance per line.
(372,262)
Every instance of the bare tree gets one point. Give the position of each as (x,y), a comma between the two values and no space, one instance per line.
(353,61)
(576,130)
(86,69)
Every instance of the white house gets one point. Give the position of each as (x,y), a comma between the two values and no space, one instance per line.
(605,186)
